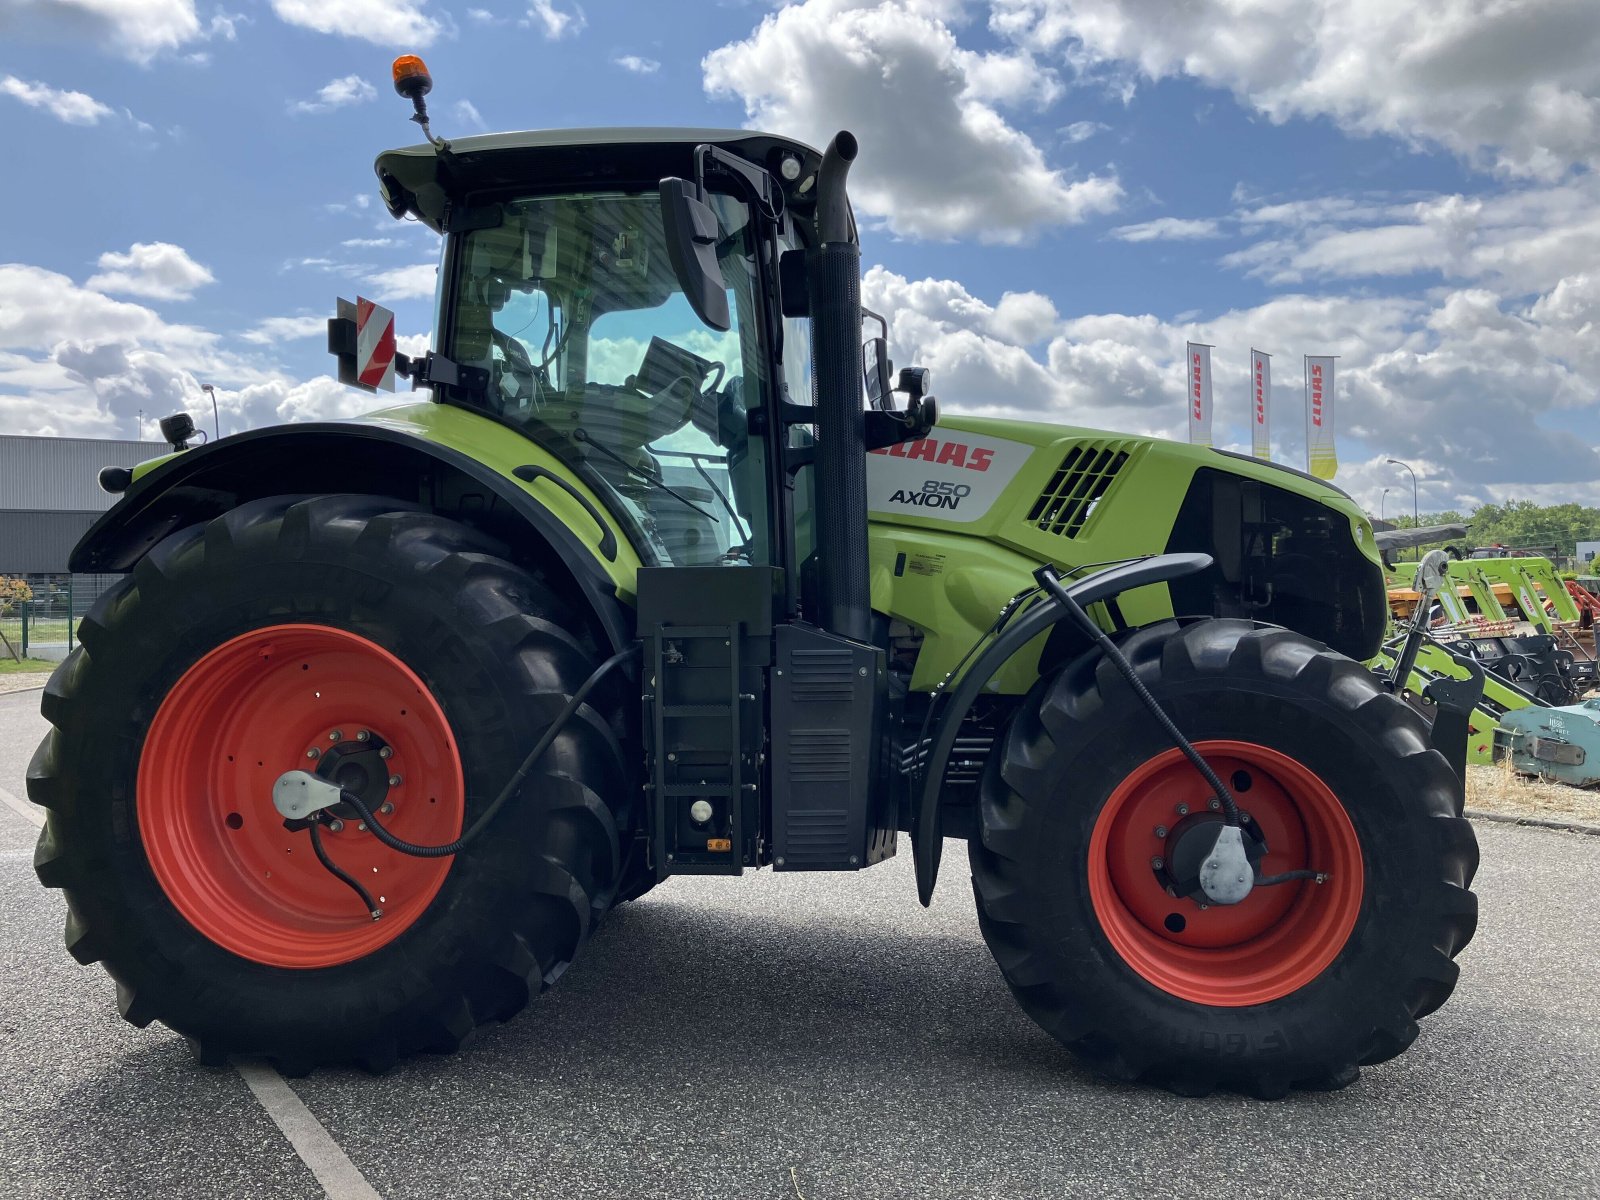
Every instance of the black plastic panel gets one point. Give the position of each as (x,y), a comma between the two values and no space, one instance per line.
(832,806)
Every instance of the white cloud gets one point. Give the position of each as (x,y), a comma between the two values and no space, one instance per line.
(1168,229)
(74,361)
(1477,389)
(157,270)
(938,160)
(1082,131)
(133,29)
(403,283)
(383,22)
(369,243)
(1508,85)
(272,330)
(340,93)
(636,64)
(467,113)
(73,108)
(553,22)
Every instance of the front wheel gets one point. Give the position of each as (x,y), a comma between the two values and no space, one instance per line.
(1089,818)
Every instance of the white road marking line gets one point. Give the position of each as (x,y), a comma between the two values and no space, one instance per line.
(338,1176)
(31,813)
(333,1169)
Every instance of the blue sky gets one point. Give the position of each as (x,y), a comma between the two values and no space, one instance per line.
(1056,193)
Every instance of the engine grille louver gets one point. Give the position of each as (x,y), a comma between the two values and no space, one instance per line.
(1069,499)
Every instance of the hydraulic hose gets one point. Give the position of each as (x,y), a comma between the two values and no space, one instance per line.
(333,869)
(1052,584)
(482,823)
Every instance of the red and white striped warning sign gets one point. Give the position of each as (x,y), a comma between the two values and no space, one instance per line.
(374,345)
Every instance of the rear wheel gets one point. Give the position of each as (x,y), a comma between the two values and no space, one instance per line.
(394,651)
(1089,820)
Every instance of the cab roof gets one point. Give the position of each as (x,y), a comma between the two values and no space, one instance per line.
(422,182)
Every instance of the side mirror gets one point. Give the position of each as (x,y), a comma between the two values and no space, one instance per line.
(691,232)
(875,366)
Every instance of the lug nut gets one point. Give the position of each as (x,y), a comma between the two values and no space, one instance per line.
(364,735)
(335,736)
(1183,810)
(385,752)
(1213,804)
(361,826)
(1157,863)
(1161,831)
(394,781)
(336,825)
(386,808)
(313,753)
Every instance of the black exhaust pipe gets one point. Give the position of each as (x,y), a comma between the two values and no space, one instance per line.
(833,284)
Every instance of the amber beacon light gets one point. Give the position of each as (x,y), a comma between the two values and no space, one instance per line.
(411,78)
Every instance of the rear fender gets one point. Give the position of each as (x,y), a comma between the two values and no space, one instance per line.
(519,493)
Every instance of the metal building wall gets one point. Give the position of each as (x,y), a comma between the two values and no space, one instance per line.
(50,474)
(38,543)
(50,495)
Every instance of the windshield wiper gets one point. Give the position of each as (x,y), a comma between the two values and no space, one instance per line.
(582,435)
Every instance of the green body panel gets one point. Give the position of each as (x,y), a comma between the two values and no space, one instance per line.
(955,576)
(504,450)
(987,561)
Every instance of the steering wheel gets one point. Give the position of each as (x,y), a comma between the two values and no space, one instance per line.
(518,368)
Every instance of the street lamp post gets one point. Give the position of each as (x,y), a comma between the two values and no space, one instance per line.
(1381,500)
(216,419)
(1416,516)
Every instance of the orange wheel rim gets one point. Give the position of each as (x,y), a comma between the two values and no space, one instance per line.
(251,709)
(1279,938)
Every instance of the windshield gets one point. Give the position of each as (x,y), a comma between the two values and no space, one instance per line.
(572,307)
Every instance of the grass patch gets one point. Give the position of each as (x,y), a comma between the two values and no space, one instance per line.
(28,666)
(1499,789)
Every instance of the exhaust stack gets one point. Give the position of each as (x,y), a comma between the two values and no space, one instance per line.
(833,274)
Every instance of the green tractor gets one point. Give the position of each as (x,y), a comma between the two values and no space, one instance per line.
(667,576)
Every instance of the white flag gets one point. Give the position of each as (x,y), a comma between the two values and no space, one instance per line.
(1198,376)
(1260,403)
(1321,458)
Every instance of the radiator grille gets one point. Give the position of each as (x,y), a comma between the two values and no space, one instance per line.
(1069,499)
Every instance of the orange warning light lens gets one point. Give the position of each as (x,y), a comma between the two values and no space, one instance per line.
(411,78)
(719,845)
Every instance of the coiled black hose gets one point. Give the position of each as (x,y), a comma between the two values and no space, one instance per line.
(482,823)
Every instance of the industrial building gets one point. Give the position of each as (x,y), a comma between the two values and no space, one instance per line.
(49,496)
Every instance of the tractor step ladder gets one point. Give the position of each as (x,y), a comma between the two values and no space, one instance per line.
(697,749)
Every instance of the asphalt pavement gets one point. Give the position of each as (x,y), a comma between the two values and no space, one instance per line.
(810,1036)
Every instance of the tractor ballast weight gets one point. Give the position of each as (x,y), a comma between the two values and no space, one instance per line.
(625,599)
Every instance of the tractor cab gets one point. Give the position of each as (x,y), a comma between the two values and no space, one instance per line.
(563,315)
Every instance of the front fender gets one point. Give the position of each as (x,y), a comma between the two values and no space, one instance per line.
(927,833)
(452,461)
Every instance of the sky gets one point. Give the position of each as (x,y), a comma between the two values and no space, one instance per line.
(1055,195)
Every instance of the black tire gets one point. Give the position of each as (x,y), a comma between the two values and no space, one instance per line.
(501,655)
(1080,733)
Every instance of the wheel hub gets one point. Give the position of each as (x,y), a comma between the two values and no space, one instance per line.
(363,766)
(1186,846)
(1145,855)
(294,700)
